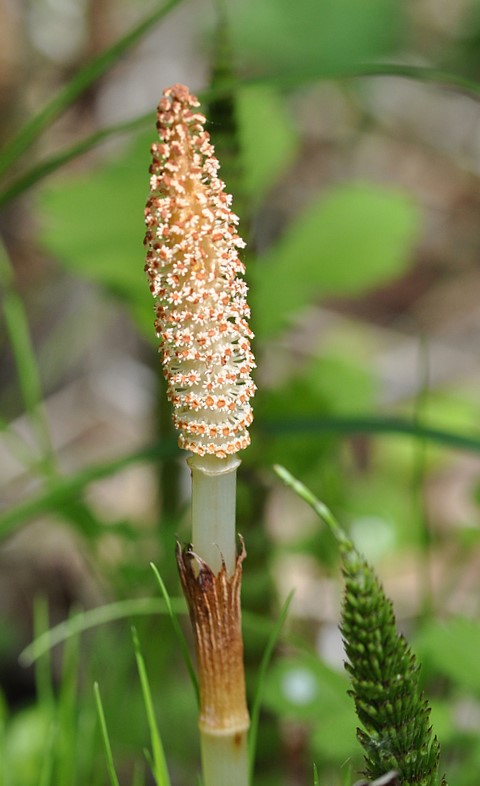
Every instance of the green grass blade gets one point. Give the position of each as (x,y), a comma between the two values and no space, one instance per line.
(17,446)
(178,632)
(160,772)
(262,672)
(18,332)
(46,771)
(105,60)
(5,778)
(54,162)
(138,778)
(429,75)
(316,781)
(106,740)
(66,489)
(67,714)
(87,771)
(372,424)
(348,777)
(77,85)
(90,619)
(437,76)
(43,670)
(148,758)
(39,171)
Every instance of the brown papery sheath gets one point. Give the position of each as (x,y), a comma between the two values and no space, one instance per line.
(214,604)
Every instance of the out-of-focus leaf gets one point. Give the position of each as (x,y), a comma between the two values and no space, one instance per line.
(93,224)
(356,238)
(303,688)
(291,36)
(25,743)
(322,388)
(451,649)
(267,135)
(335,741)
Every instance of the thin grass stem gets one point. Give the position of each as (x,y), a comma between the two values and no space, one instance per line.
(93,618)
(67,715)
(160,771)
(262,672)
(43,670)
(40,171)
(5,778)
(138,778)
(46,771)
(178,632)
(18,446)
(419,470)
(20,340)
(105,737)
(322,511)
(373,424)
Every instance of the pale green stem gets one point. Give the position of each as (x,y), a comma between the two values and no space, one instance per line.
(225,758)
(213,510)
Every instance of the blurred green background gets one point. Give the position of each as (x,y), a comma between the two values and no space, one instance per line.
(348,134)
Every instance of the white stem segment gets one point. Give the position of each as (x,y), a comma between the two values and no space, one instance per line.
(225,758)
(213,510)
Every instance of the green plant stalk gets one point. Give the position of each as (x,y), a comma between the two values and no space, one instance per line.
(39,171)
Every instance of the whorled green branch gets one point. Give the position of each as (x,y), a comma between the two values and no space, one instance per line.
(396,733)
(384,674)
